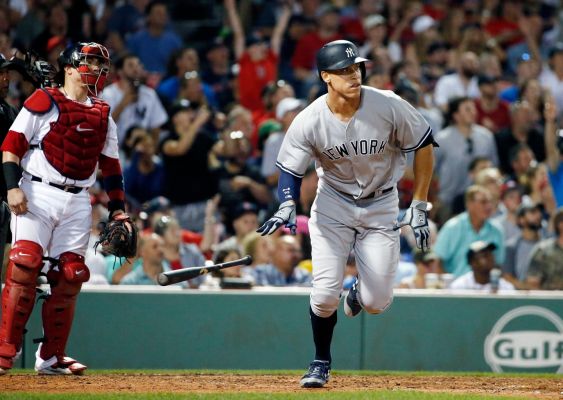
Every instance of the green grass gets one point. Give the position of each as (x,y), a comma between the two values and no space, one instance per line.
(316,395)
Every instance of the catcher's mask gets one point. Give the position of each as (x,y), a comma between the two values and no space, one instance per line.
(91,60)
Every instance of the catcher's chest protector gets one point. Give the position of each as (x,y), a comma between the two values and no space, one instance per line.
(77,139)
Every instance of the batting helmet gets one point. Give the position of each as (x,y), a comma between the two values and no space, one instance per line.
(337,55)
(85,56)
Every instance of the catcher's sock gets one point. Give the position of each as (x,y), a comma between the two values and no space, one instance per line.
(322,335)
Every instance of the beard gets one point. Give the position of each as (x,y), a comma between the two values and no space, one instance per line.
(467,73)
(534,227)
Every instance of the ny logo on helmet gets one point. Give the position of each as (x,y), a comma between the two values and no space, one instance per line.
(350,52)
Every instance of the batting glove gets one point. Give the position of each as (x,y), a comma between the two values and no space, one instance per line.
(284,216)
(417,217)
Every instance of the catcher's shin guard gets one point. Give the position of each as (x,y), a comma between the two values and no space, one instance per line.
(18,297)
(58,309)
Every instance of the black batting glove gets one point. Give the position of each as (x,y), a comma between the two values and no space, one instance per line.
(285,215)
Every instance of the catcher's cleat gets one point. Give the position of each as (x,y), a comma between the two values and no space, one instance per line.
(317,375)
(50,366)
(3,371)
(74,366)
(352,306)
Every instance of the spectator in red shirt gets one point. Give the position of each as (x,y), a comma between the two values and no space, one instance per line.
(258,64)
(504,27)
(492,112)
(303,61)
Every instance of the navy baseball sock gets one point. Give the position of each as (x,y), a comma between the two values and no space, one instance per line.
(322,335)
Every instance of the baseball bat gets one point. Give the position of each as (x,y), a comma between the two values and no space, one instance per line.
(184,274)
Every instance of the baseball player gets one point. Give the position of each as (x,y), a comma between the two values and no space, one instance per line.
(50,157)
(358,137)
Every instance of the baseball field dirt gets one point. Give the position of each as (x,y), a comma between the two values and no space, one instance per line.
(526,387)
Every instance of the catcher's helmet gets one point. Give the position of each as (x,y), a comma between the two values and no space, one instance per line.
(92,62)
(337,55)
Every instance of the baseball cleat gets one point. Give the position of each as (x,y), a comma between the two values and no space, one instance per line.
(352,306)
(50,366)
(74,366)
(3,371)
(317,375)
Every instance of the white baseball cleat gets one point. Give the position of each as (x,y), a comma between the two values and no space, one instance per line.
(3,371)
(50,366)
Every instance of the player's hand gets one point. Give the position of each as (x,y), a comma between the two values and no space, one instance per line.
(17,201)
(285,215)
(417,217)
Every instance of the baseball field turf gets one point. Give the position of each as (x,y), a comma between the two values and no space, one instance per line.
(344,385)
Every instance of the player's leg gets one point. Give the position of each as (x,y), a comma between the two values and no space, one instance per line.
(377,256)
(68,245)
(377,252)
(331,242)
(30,235)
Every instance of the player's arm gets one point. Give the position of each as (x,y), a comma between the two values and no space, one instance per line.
(423,169)
(12,174)
(289,189)
(111,172)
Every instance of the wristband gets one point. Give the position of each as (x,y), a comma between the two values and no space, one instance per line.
(419,205)
(12,174)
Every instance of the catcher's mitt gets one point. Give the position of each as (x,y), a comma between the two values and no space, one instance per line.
(119,237)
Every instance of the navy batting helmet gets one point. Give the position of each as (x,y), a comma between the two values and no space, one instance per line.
(337,55)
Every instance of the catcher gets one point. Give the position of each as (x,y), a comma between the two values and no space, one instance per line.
(50,157)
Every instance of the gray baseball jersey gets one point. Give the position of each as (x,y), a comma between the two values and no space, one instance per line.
(362,155)
(358,163)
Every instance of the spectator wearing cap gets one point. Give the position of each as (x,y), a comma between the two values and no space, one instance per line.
(425,262)
(183,63)
(284,269)
(257,62)
(551,76)
(527,68)
(492,112)
(131,101)
(144,174)
(460,142)
(519,247)
(545,271)
(434,64)
(482,261)
(57,25)
(510,201)
(218,73)
(155,43)
(462,83)
(521,130)
(375,27)
(272,94)
(426,32)
(303,60)
(239,179)
(240,220)
(188,180)
(457,234)
(286,111)
(554,153)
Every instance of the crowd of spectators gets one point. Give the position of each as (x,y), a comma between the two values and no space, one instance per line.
(200,123)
